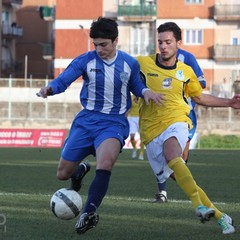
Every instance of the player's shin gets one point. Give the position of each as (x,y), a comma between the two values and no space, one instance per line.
(185,180)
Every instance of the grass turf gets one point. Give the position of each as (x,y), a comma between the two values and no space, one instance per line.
(27,178)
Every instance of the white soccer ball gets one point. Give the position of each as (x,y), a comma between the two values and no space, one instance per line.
(66,203)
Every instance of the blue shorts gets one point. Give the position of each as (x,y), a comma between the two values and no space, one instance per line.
(89,129)
(193,117)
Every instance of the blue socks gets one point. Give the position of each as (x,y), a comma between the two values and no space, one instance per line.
(97,190)
(162,186)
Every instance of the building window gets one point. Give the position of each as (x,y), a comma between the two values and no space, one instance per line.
(193,37)
(234,41)
(194,1)
(5,17)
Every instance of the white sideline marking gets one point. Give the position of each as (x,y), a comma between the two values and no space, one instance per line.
(150,200)
(22,194)
(108,197)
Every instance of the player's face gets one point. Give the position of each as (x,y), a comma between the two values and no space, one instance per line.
(168,47)
(105,48)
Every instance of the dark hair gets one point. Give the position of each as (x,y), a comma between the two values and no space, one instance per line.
(104,28)
(171,27)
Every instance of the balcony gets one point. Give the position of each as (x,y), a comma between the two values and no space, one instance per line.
(11,31)
(14,3)
(47,13)
(227,12)
(9,67)
(137,12)
(227,53)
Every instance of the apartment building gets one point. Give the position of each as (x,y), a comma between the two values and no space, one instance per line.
(227,42)
(10,31)
(34,50)
(74,18)
(210,30)
(25,39)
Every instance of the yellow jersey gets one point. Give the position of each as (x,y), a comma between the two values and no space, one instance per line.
(177,83)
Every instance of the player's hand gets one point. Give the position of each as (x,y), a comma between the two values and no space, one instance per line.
(235,101)
(45,92)
(157,98)
(135,99)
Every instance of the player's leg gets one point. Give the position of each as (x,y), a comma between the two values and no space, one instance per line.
(186,182)
(66,169)
(192,115)
(133,128)
(159,167)
(161,195)
(74,170)
(72,155)
(78,175)
(224,221)
(185,153)
(108,142)
(141,152)
(106,156)
(158,163)
(133,142)
(176,137)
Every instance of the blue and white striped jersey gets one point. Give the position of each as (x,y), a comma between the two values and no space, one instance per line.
(106,87)
(191,61)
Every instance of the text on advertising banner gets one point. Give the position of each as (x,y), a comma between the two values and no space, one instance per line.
(49,138)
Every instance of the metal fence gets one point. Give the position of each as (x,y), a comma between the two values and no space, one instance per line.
(20,107)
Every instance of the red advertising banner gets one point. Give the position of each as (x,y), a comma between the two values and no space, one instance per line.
(49,138)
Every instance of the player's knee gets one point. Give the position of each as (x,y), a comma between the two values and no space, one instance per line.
(105,165)
(62,174)
(65,169)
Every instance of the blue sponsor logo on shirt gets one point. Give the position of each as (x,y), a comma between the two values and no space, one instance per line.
(167,82)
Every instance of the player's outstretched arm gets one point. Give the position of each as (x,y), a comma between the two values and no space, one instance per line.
(44,92)
(213,101)
(157,98)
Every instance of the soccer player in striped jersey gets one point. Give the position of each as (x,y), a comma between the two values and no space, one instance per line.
(164,129)
(101,128)
(191,61)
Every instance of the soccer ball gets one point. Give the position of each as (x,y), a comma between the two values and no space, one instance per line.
(66,203)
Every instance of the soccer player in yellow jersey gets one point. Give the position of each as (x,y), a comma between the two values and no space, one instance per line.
(164,129)
(133,119)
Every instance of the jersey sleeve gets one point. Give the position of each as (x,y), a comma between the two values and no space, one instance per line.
(194,87)
(136,84)
(191,61)
(69,75)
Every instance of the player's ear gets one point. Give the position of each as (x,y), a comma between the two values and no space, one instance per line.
(179,43)
(116,41)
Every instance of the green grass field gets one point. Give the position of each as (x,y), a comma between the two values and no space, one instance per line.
(27,178)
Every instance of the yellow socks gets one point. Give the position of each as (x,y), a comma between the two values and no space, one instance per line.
(141,148)
(185,180)
(206,202)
